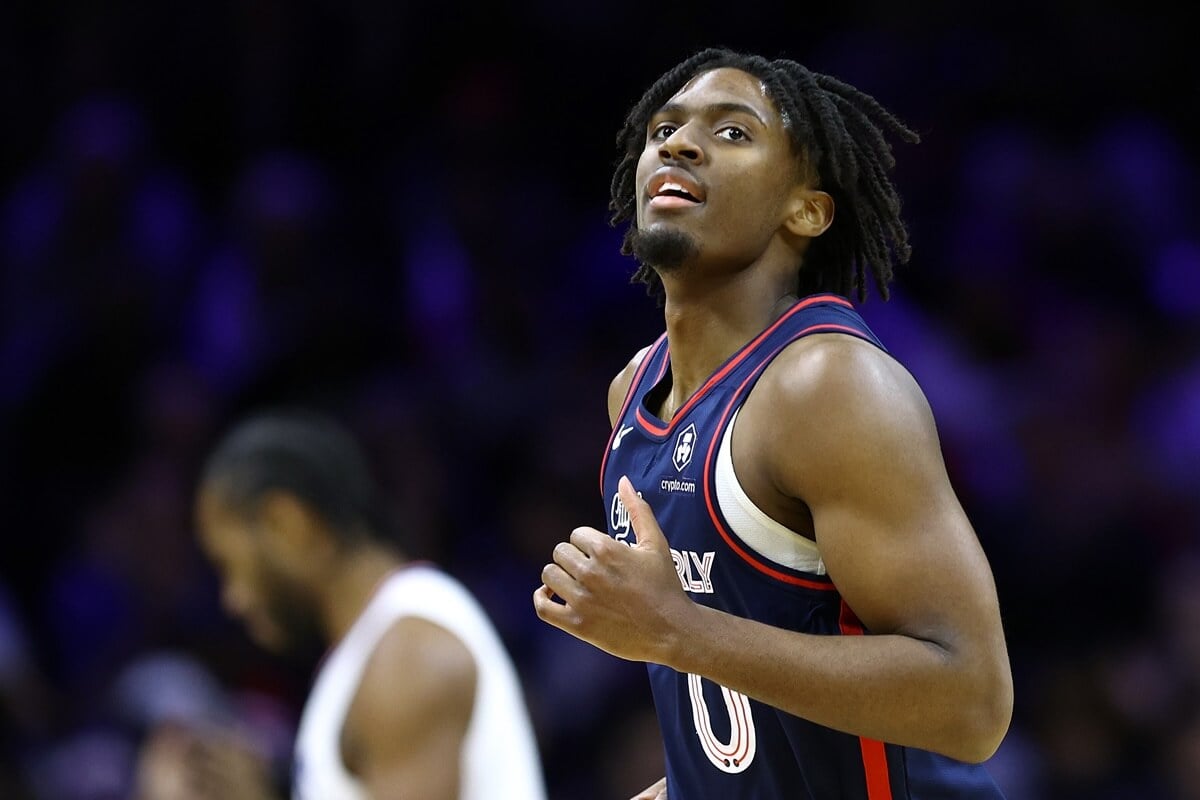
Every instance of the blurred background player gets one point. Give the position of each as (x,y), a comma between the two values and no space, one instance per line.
(415,696)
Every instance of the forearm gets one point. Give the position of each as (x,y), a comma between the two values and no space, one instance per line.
(892,688)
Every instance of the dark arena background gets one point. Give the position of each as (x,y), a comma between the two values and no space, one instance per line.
(396,211)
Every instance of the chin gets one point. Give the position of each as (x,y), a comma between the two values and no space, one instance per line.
(270,640)
(663,246)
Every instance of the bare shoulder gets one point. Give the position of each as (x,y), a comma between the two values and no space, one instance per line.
(621,383)
(849,406)
(419,675)
(432,660)
(848,382)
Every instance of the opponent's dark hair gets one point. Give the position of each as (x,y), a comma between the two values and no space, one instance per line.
(838,130)
(305,454)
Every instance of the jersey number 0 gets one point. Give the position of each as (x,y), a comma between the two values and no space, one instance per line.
(736,754)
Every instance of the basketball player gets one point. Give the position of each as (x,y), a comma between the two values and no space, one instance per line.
(784,548)
(416,696)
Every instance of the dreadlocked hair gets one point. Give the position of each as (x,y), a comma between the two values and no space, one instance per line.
(839,131)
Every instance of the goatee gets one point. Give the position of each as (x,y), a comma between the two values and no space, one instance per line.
(662,249)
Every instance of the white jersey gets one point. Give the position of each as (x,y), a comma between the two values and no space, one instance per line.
(499,756)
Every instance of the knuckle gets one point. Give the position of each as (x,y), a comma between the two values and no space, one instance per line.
(577,535)
(601,547)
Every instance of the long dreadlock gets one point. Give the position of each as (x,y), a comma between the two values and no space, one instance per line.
(839,130)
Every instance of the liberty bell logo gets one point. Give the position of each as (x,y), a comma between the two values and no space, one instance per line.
(685,445)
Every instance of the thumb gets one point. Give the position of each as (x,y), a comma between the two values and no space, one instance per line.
(641,517)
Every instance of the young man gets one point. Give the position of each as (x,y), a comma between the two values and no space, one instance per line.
(416,695)
(784,547)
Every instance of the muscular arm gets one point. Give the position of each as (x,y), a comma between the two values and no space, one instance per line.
(860,449)
(404,732)
(840,430)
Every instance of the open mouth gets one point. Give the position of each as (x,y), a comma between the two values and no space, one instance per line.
(672,189)
(675,190)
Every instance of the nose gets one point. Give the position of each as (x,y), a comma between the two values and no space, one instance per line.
(681,146)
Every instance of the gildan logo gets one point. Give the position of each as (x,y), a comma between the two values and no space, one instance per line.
(685,445)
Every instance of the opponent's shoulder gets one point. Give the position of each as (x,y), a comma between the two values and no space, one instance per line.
(619,387)
(417,690)
(419,670)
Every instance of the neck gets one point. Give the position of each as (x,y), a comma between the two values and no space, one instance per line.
(706,324)
(351,585)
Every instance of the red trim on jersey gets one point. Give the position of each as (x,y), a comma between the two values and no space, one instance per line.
(659,430)
(637,376)
(795,580)
(874,754)
(651,426)
(849,622)
(875,768)
(662,368)
(710,504)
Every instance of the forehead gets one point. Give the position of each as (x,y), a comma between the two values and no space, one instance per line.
(727,85)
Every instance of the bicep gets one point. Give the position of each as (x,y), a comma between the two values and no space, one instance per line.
(901,551)
(893,534)
(411,713)
(429,768)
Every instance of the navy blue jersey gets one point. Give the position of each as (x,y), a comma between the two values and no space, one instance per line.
(721,744)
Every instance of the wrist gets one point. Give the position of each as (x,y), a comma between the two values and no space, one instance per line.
(687,635)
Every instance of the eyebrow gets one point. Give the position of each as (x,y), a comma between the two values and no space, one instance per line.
(711,108)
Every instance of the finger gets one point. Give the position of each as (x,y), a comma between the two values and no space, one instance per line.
(641,517)
(589,540)
(656,791)
(560,583)
(550,610)
(568,556)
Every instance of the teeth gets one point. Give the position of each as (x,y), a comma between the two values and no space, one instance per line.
(672,187)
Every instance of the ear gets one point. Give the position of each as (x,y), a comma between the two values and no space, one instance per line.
(811,213)
(296,532)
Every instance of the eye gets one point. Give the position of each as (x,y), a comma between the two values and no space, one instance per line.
(663,130)
(733,133)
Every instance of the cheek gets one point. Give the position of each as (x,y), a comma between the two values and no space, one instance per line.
(278,590)
(648,161)
(646,165)
(756,204)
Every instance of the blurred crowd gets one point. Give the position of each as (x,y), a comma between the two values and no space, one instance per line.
(212,209)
